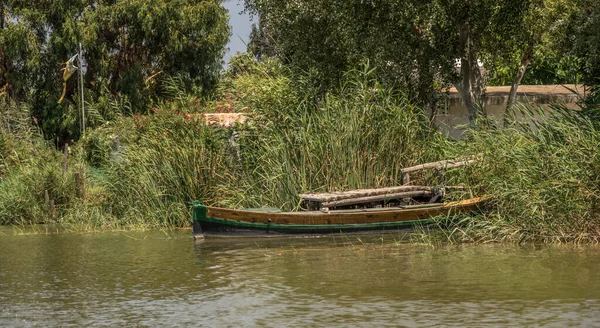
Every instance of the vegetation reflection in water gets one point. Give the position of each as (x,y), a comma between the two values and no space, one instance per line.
(158,278)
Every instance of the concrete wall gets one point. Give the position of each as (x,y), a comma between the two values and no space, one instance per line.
(452,115)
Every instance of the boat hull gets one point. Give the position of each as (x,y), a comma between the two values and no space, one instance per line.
(214,221)
(225,228)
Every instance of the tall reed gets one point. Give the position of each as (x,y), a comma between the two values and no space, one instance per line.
(357,136)
(33,186)
(543,173)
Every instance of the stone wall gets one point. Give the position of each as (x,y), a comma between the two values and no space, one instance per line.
(452,116)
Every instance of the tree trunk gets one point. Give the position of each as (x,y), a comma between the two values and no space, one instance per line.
(471,88)
(512,96)
(467,90)
(477,82)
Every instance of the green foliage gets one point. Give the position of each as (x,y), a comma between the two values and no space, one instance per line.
(340,142)
(30,171)
(543,177)
(129,47)
(532,29)
(19,53)
(584,43)
(332,37)
(584,39)
(98,146)
(20,141)
(411,44)
(558,69)
(293,144)
(168,162)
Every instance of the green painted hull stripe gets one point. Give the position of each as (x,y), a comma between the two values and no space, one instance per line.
(273,226)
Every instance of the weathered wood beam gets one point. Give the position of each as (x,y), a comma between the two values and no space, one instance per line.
(445,164)
(361,200)
(334,196)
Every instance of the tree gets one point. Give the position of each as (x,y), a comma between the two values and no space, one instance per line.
(331,37)
(128,46)
(415,44)
(19,53)
(584,42)
(536,33)
(584,39)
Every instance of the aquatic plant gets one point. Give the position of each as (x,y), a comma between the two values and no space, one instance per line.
(543,173)
(360,135)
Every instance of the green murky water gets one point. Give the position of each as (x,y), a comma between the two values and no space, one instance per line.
(165,279)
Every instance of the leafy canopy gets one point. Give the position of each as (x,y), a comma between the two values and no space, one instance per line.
(414,44)
(128,46)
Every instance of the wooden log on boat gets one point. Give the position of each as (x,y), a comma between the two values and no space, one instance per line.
(445,164)
(360,193)
(324,201)
(377,198)
(439,166)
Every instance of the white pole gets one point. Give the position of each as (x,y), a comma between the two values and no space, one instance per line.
(81,88)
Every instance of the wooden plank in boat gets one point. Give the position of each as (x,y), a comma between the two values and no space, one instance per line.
(360,193)
(376,198)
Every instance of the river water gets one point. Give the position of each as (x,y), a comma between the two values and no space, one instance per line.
(165,279)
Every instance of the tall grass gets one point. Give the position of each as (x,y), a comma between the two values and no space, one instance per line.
(543,174)
(33,187)
(359,136)
(170,163)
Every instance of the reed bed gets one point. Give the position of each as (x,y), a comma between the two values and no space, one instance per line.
(541,171)
(357,137)
(543,174)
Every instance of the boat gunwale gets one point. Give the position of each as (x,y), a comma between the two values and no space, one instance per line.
(449,205)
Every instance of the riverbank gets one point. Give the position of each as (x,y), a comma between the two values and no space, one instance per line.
(145,171)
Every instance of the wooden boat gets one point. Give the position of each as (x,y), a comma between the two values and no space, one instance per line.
(336,212)
(214,221)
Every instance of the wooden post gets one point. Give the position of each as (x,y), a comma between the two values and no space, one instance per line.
(81,89)
(441,190)
(83,181)
(52,209)
(7,125)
